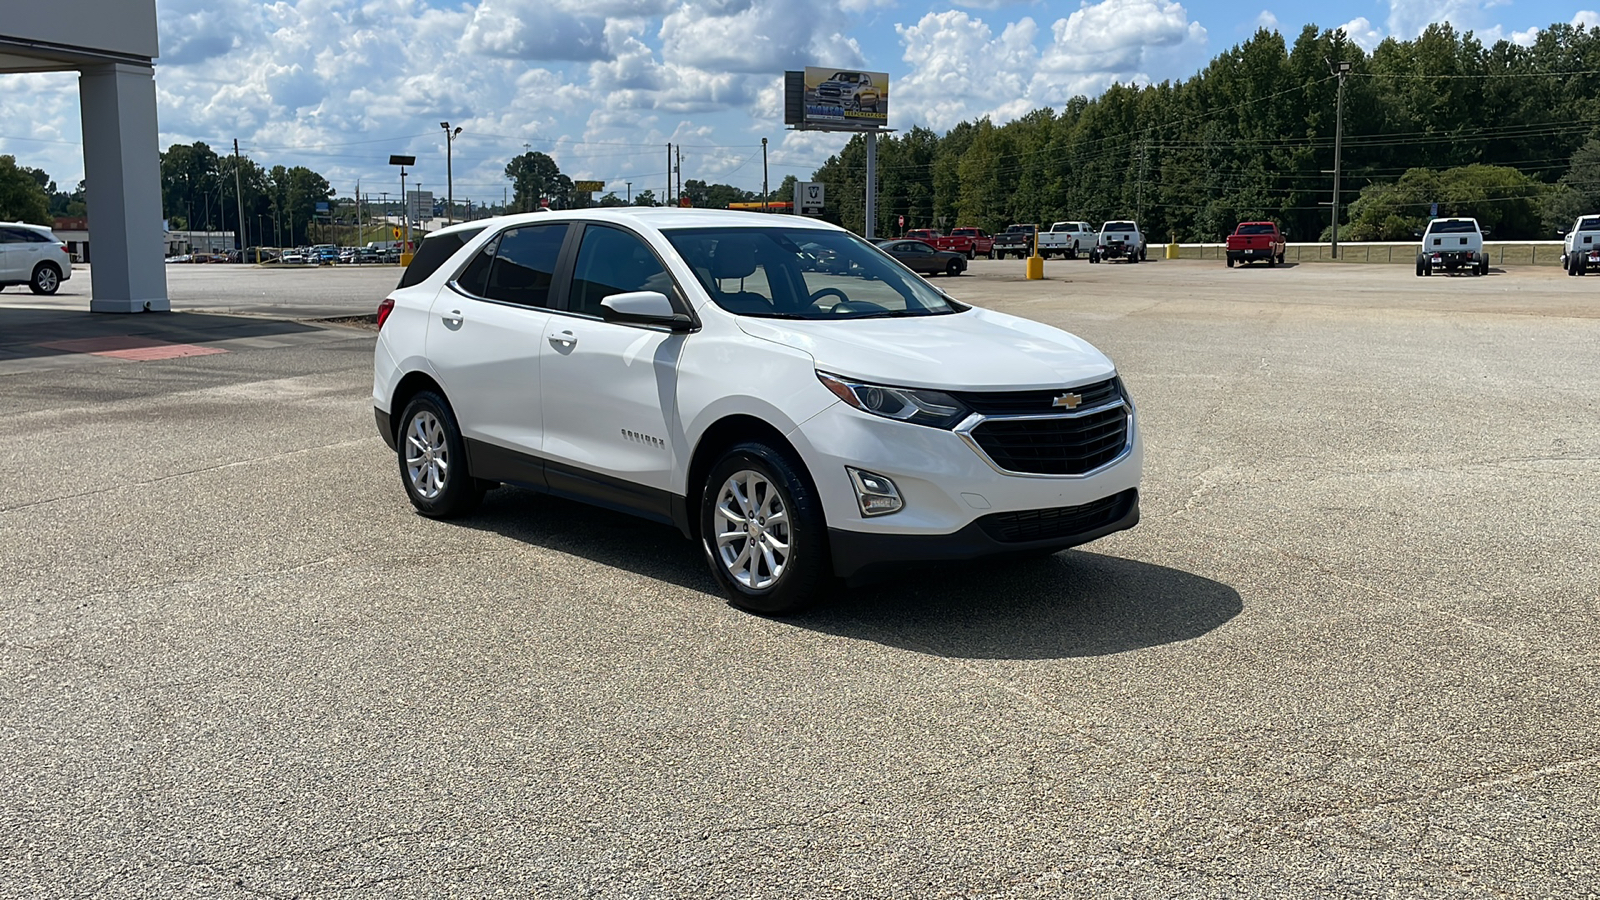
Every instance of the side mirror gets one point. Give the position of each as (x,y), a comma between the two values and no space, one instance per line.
(644,308)
(1487,230)
(1417,235)
(1561,232)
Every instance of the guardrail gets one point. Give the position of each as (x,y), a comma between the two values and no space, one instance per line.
(1501,253)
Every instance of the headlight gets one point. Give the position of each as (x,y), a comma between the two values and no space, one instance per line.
(915,405)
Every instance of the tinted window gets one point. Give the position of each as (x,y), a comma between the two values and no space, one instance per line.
(1255,229)
(474,279)
(11,236)
(1589,225)
(525,264)
(1453,228)
(614,262)
(433,253)
(1119,226)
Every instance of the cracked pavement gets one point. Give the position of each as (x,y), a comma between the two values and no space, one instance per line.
(1350,650)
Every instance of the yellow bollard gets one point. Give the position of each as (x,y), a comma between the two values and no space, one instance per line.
(1172,251)
(405,259)
(1035,266)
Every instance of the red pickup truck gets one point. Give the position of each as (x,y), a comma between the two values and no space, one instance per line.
(971,242)
(925,235)
(1255,240)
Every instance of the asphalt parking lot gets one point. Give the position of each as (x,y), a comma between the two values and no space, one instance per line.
(1349,652)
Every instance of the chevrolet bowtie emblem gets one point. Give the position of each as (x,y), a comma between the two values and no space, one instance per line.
(1068,401)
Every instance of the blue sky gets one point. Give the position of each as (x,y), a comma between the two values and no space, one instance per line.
(603,85)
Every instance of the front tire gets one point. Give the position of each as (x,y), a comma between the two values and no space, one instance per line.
(763,531)
(46,279)
(433,459)
(1230,262)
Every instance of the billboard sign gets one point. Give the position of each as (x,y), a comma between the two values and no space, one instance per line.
(809,197)
(588,187)
(846,99)
(419,205)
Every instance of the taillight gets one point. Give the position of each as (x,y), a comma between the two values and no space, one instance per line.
(384,308)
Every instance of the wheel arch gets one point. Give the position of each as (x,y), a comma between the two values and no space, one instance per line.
(723,434)
(412,384)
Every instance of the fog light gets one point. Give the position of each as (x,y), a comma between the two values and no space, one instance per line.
(875,494)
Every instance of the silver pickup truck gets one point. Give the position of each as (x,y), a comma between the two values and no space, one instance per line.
(1119,240)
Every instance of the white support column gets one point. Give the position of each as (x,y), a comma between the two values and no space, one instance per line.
(122,168)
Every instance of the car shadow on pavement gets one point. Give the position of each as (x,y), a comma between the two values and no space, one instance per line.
(1074,603)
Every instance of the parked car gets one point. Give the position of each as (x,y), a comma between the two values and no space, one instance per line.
(1119,240)
(1256,241)
(1580,245)
(926,235)
(1016,240)
(800,426)
(918,256)
(967,241)
(293,258)
(1451,245)
(1067,239)
(34,256)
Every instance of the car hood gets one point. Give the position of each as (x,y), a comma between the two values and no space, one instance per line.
(974,350)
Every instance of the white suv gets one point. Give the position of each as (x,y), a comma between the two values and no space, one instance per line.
(688,366)
(31,255)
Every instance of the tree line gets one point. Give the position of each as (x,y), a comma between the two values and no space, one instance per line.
(1506,133)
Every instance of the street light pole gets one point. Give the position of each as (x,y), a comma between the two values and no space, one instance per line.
(630,192)
(449,176)
(764,204)
(402,162)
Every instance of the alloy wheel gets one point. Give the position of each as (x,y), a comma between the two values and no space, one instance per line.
(427,455)
(752,530)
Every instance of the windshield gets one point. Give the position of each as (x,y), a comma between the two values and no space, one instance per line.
(1255,229)
(1118,226)
(1467,226)
(803,273)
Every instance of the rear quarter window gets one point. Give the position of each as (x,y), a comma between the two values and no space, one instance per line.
(432,254)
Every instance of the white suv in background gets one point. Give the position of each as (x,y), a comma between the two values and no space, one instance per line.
(31,255)
(690,367)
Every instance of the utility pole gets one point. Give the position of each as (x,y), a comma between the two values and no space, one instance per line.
(666,196)
(1144,159)
(680,176)
(1342,69)
(764,205)
(449,174)
(872,179)
(630,192)
(238,193)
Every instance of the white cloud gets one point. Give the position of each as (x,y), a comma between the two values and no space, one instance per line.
(1365,34)
(751,36)
(532,30)
(1587,18)
(1268,21)
(1409,18)
(961,70)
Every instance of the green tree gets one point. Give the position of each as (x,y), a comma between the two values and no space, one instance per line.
(22,198)
(645,197)
(536,177)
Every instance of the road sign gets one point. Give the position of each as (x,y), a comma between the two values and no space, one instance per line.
(1433,211)
(588,187)
(902,223)
(811,196)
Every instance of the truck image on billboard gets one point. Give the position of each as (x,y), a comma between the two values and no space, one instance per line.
(846,97)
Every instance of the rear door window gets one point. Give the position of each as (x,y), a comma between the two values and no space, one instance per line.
(524,265)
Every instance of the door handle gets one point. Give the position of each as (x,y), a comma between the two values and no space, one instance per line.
(453,320)
(564,339)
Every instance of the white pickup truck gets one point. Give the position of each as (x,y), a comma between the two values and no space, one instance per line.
(1119,240)
(1580,246)
(1067,239)
(1453,245)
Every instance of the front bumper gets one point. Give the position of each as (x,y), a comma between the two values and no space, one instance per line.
(860,557)
(950,488)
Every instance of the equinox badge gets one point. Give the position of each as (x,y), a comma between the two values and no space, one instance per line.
(1067,401)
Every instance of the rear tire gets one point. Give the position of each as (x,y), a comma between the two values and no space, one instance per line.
(953,269)
(46,279)
(763,531)
(1230,262)
(433,459)
(1571,264)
